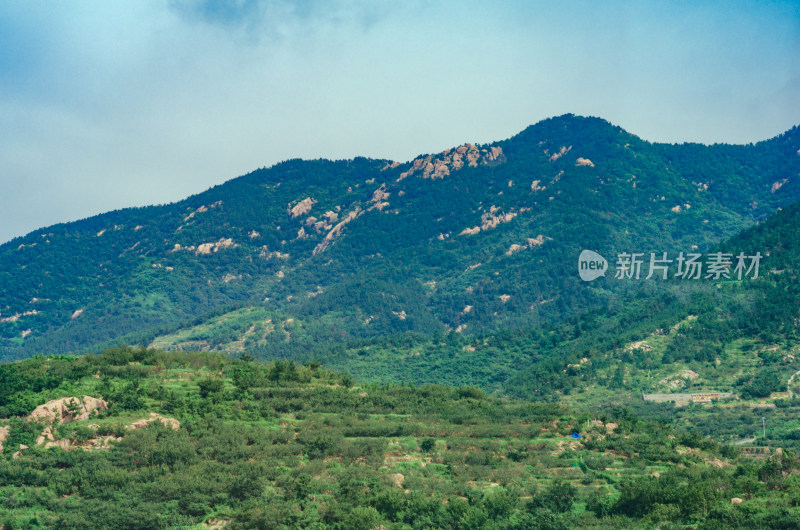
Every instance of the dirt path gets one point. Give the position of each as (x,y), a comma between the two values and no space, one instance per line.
(789,384)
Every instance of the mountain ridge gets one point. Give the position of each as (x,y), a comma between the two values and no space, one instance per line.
(529,130)
(279,234)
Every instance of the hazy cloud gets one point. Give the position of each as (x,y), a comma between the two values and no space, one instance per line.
(112,104)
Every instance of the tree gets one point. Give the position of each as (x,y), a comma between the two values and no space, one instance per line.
(210,387)
(427,444)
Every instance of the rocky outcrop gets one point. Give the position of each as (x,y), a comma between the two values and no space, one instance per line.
(441,165)
(778,185)
(379,198)
(470,231)
(47,435)
(199,210)
(678,380)
(302,207)
(208,248)
(491,219)
(64,443)
(266,254)
(397,479)
(64,410)
(380,194)
(584,162)
(98,442)
(537,241)
(4,430)
(68,409)
(17,316)
(204,249)
(514,248)
(202,209)
(532,242)
(336,230)
(172,423)
(555,156)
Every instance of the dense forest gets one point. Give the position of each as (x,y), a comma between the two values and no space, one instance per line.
(310,254)
(729,336)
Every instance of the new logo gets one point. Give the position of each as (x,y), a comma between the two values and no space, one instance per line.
(591,265)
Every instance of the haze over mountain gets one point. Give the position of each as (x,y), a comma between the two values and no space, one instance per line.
(309,254)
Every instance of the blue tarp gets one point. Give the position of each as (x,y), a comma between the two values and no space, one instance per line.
(576,435)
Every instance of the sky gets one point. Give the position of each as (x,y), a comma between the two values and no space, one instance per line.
(109,104)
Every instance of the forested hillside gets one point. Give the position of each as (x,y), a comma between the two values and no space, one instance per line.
(311,254)
(410,345)
(668,337)
(152,439)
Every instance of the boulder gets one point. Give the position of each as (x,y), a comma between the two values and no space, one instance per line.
(47,435)
(397,479)
(4,434)
(63,443)
(172,423)
(57,409)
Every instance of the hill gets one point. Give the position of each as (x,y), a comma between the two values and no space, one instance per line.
(673,337)
(154,439)
(307,255)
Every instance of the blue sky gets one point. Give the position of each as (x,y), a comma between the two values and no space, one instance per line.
(109,104)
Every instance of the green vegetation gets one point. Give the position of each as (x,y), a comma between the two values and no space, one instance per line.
(358,249)
(669,337)
(410,347)
(281,445)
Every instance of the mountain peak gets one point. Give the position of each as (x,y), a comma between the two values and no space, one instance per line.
(570,126)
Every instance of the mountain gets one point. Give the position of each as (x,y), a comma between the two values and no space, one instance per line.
(471,379)
(671,337)
(308,255)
